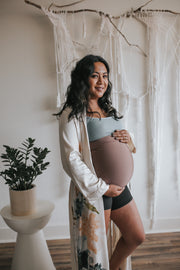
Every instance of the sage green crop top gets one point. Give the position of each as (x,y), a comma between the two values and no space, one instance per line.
(102,127)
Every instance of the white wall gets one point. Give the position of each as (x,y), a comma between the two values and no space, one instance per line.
(28,99)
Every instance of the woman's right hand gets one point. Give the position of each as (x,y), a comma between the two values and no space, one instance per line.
(114,191)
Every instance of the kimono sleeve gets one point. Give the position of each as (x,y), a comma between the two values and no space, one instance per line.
(86,181)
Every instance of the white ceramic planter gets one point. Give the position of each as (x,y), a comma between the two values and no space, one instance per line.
(23,202)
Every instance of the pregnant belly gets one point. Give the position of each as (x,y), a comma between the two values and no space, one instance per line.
(112,160)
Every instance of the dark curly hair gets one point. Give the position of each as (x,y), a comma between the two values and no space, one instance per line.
(78,91)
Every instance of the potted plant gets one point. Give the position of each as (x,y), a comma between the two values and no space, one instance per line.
(23,165)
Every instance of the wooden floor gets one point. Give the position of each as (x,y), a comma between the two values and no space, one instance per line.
(158,252)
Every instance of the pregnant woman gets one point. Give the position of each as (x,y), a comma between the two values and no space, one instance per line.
(96,153)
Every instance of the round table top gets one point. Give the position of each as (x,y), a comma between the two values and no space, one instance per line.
(44,208)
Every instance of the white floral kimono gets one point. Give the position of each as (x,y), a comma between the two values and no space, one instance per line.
(89,249)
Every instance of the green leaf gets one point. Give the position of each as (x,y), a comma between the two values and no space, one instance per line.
(18,174)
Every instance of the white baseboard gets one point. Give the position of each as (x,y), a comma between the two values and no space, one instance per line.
(50,232)
(162,225)
(62,231)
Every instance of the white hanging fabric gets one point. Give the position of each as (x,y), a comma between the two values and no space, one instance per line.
(65,53)
(163,41)
(177,99)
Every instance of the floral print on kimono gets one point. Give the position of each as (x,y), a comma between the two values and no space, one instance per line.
(85,219)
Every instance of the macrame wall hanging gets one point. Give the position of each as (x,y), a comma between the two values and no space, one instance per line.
(106,39)
(164,41)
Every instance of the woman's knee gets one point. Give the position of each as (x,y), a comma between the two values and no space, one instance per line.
(139,238)
(136,238)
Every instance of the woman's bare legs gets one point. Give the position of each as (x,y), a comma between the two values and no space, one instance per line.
(129,222)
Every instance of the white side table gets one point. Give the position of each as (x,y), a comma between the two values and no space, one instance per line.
(31,250)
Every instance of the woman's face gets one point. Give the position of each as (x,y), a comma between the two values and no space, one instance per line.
(98,81)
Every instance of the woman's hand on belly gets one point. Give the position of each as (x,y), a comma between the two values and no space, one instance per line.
(122,136)
(114,191)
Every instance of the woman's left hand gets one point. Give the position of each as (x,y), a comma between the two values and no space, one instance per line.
(122,135)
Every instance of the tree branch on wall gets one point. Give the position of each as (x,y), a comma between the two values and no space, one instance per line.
(101,13)
(132,13)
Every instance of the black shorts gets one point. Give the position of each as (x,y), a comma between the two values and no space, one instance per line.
(119,201)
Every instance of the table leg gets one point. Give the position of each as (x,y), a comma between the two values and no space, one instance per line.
(31,253)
